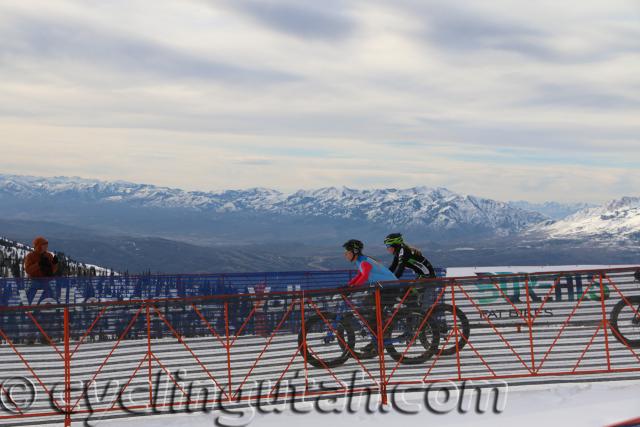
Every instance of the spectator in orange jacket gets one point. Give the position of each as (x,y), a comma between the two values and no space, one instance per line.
(40,263)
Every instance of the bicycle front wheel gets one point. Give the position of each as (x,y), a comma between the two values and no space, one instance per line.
(625,321)
(328,340)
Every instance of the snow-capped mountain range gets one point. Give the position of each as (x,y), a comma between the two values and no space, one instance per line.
(434,210)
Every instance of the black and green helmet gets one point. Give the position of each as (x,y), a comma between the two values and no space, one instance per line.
(393,239)
(353,245)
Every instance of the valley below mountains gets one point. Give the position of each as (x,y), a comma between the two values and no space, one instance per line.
(138,227)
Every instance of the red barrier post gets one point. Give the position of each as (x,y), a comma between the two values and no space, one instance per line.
(383,374)
(304,343)
(67,370)
(455,327)
(228,346)
(150,380)
(530,324)
(605,324)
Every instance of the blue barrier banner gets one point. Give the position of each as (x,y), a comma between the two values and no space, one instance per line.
(258,287)
(76,290)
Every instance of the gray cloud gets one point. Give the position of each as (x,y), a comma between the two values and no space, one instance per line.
(547,138)
(580,96)
(306,19)
(69,41)
(461,30)
(464,27)
(321,88)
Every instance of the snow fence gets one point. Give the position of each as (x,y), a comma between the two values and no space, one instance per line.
(79,348)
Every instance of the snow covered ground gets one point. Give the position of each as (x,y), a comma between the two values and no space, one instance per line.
(578,404)
(595,403)
(585,404)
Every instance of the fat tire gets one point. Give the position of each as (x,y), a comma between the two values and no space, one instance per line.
(615,313)
(463,327)
(427,338)
(348,336)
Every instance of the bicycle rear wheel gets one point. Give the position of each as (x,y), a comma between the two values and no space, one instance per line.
(328,340)
(625,321)
(444,322)
(406,342)
(364,328)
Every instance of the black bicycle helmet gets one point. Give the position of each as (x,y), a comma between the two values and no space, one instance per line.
(353,245)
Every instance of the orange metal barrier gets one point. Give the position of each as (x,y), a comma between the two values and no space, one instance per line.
(107,358)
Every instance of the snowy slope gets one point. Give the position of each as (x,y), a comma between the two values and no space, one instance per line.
(616,220)
(432,208)
(586,404)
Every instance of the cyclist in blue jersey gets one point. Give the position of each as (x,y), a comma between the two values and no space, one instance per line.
(369,271)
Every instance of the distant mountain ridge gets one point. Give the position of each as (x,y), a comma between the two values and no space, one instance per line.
(433,209)
(553,210)
(618,220)
(137,227)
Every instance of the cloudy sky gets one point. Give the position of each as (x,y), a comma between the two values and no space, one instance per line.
(502,99)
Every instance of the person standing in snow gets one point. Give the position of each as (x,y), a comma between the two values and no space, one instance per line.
(40,263)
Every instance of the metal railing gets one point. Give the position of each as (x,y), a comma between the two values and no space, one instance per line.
(158,349)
